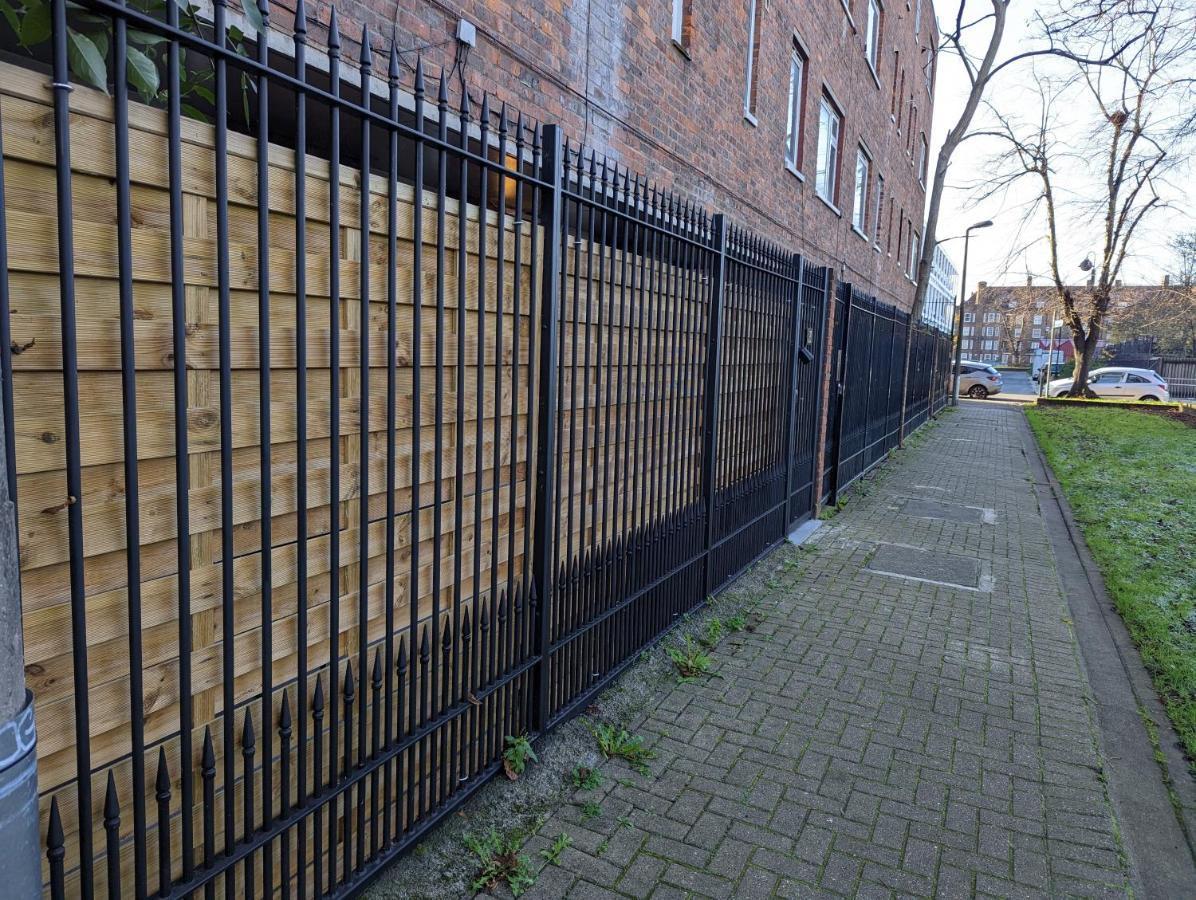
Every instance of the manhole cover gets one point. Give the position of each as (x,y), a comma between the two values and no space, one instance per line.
(950,512)
(940,568)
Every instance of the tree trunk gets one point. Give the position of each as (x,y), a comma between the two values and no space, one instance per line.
(1085,346)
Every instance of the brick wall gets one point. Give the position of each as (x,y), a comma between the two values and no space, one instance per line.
(609,72)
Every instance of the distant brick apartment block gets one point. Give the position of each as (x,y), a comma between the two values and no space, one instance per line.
(805,121)
(1005,324)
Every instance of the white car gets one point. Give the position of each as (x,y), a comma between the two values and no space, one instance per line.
(1118,383)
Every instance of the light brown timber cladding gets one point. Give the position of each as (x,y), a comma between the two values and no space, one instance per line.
(655,346)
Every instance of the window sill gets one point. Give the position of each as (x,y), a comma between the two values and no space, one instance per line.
(829,205)
(876,247)
(751,119)
(795,172)
(682,49)
(858,232)
(872,71)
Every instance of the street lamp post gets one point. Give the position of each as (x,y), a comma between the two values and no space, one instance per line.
(963,294)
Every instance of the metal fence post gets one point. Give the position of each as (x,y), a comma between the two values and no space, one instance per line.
(550,291)
(841,388)
(714,330)
(799,269)
(20,863)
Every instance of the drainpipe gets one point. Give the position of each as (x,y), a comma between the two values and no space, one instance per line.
(20,858)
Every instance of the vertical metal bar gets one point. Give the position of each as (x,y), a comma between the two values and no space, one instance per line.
(797,269)
(74,479)
(841,388)
(453,658)
(417,293)
(334,427)
(301,522)
(112,830)
(317,830)
(550,288)
(467,684)
(162,794)
(265,439)
(128,371)
(284,791)
(363,413)
(56,852)
(487,668)
(346,767)
(429,695)
(208,777)
(227,547)
(392,337)
(248,792)
(710,393)
(6,398)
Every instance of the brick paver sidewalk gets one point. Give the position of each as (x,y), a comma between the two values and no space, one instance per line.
(876,735)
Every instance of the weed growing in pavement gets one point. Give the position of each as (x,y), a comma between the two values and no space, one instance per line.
(591,809)
(501,863)
(585,778)
(518,754)
(690,660)
(712,633)
(615,742)
(737,623)
(602,848)
(553,853)
(624,821)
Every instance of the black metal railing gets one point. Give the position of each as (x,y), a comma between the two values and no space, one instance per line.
(428,423)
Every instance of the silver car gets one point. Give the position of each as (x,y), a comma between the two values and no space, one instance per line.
(978,380)
(1118,383)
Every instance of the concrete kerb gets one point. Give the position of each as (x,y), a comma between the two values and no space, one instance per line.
(1156,803)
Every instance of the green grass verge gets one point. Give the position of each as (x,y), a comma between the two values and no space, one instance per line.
(1130,479)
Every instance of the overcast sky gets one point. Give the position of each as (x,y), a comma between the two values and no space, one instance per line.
(1012,247)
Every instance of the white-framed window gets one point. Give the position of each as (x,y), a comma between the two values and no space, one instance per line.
(990,330)
(991,316)
(872,34)
(969,317)
(1017,331)
(915,245)
(753,59)
(681,23)
(917,17)
(967,329)
(1037,321)
(863,178)
(880,204)
(1037,332)
(797,109)
(923,155)
(830,127)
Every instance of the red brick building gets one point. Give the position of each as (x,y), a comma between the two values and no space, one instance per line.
(697,95)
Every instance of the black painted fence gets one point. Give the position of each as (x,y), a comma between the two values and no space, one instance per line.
(671,395)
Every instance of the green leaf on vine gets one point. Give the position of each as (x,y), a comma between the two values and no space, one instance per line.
(254,15)
(35,26)
(86,60)
(143,73)
(10,14)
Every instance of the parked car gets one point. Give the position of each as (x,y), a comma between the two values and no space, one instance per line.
(1056,368)
(1118,383)
(978,380)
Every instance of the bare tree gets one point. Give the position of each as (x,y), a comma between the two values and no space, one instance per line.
(1131,146)
(1165,313)
(959,40)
